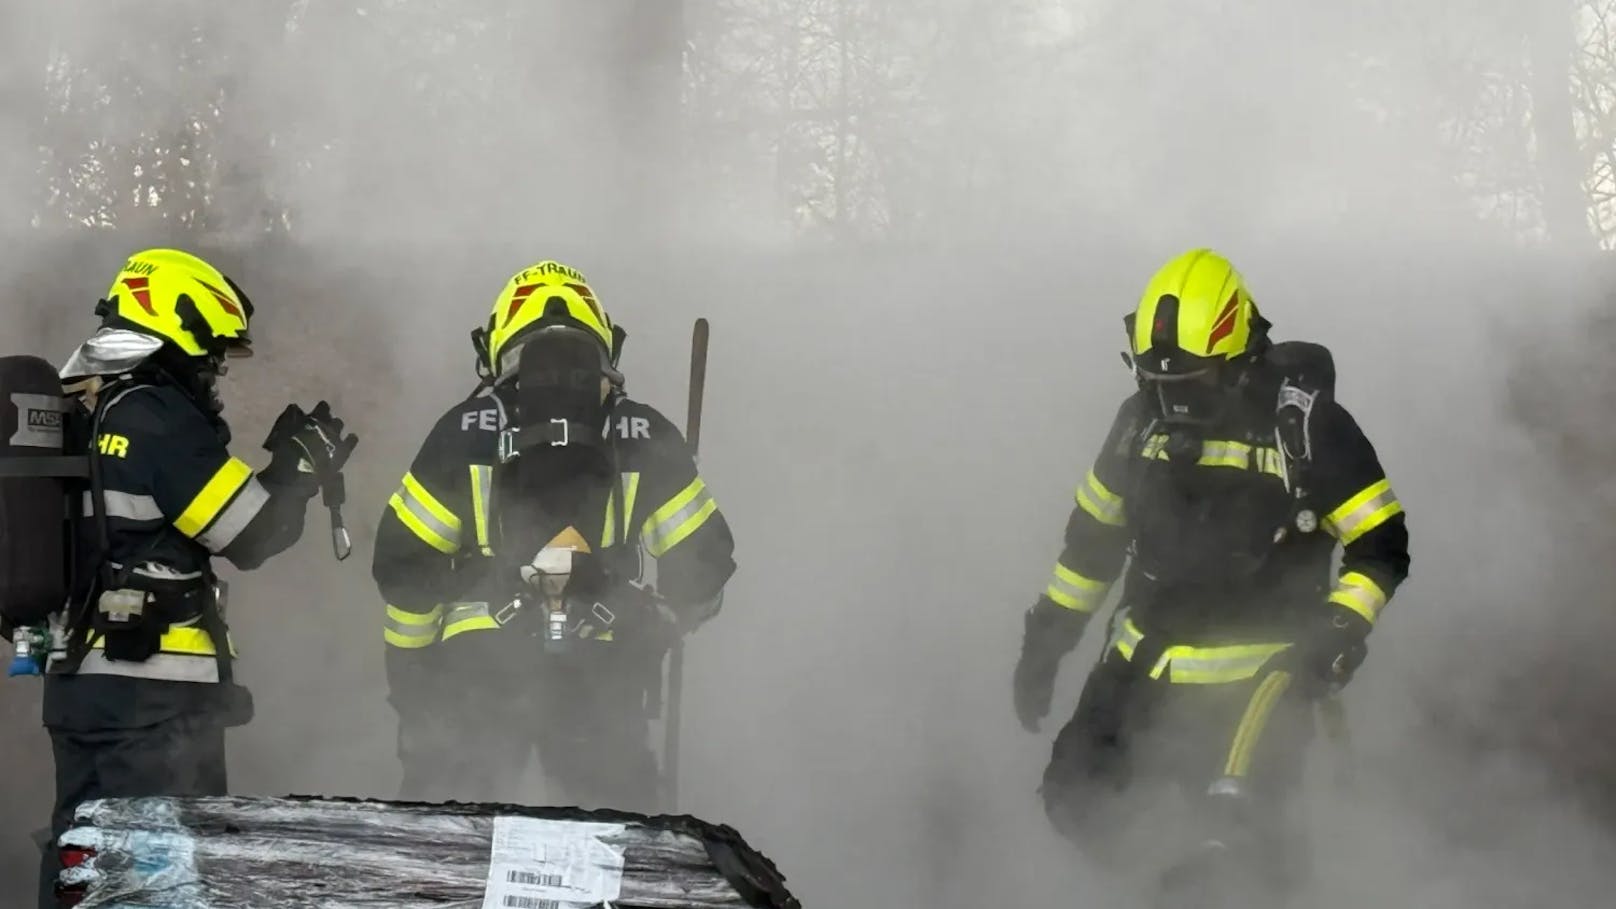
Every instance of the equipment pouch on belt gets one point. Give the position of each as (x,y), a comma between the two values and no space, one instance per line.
(133,618)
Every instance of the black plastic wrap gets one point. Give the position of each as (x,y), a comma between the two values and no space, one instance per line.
(226,852)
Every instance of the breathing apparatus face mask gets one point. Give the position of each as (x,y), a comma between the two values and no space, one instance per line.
(1190,391)
(562,381)
(1197,398)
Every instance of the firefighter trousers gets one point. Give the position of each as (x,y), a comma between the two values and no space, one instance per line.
(584,714)
(180,755)
(1236,750)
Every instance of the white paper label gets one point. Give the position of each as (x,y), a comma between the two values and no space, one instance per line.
(537,863)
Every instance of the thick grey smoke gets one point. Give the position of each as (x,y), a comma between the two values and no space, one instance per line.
(916,276)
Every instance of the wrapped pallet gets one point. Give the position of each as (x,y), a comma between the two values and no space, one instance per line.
(227,852)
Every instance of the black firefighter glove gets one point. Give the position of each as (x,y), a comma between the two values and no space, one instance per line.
(1331,648)
(1050,631)
(644,621)
(307,450)
(638,618)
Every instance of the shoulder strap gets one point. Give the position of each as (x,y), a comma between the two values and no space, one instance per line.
(78,620)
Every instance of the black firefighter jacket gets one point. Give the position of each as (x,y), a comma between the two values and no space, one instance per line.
(1227,541)
(451,537)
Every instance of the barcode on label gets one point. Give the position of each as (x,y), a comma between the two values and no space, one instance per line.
(534,878)
(530,902)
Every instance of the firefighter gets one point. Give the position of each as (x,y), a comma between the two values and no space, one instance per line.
(510,561)
(1225,484)
(139,688)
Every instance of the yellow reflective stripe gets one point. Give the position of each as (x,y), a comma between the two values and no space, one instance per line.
(482,489)
(411,630)
(425,516)
(423,530)
(416,493)
(1254,721)
(682,516)
(631,491)
(1269,461)
(1223,453)
(1363,512)
(408,641)
(1214,665)
(464,617)
(1074,591)
(1359,593)
(215,495)
(1198,665)
(1100,502)
(1125,637)
(184,639)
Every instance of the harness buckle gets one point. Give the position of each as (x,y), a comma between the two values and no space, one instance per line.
(507,445)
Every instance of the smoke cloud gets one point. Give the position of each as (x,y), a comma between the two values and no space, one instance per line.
(915,228)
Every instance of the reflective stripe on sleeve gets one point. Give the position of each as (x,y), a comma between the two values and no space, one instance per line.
(215,495)
(682,516)
(1099,502)
(425,516)
(235,517)
(463,617)
(1074,591)
(125,506)
(411,630)
(1370,508)
(1359,593)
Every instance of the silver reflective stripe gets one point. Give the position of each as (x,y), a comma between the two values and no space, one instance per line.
(172,667)
(235,517)
(1226,453)
(1223,665)
(670,525)
(1074,591)
(424,623)
(1348,526)
(459,612)
(1100,502)
(126,506)
(1124,635)
(421,513)
(630,490)
(482,490)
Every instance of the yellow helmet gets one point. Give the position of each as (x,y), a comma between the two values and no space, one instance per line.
(546,294)
(1194,318)
(181,299)
(1195,308)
